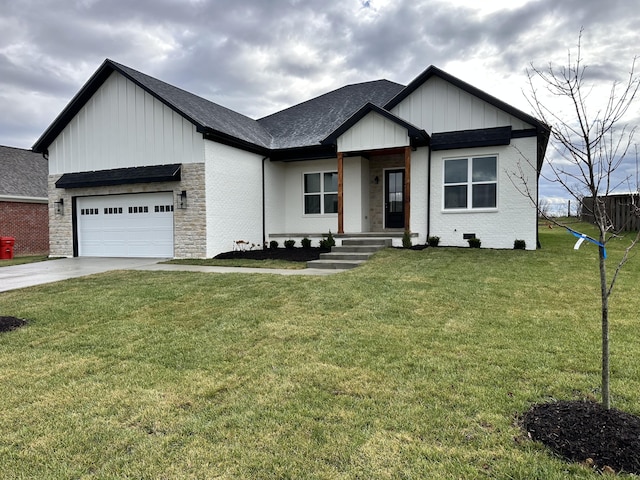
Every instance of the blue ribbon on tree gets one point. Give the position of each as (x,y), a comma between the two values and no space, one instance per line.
(582,237)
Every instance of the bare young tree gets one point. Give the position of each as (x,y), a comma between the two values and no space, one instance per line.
(591,143)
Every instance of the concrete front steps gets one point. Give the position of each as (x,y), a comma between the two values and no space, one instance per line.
(352,252)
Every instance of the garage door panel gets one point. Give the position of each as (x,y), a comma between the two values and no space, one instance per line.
(137,225)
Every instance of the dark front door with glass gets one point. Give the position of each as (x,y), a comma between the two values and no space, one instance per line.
(394,199)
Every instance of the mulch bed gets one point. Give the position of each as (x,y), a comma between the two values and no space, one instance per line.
(289,254)
(585,432)
(11,323)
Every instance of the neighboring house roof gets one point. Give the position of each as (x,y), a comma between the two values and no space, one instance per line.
(301,131)
(23,173)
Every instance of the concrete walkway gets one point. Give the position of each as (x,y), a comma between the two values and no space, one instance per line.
(39,273)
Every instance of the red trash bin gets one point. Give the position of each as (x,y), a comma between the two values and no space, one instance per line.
(6,247)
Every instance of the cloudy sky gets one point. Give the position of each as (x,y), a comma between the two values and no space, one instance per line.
(259,56)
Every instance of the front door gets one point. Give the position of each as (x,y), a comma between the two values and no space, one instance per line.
(394,199)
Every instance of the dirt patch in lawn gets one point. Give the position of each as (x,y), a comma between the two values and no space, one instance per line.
(288,254)
(11,323)
(585,432)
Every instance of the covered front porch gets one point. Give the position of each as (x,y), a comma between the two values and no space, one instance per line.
(374,192)
(375,186)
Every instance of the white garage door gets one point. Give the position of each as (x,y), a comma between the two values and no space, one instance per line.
(139,225)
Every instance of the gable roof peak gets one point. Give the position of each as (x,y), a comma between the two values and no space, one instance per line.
(432,71)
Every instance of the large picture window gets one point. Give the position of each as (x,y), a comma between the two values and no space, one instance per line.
(320,193)
(471,183)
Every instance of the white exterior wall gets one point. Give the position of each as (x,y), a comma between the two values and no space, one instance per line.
(373,131)
(419,194)
(356,194)
(121,126)
(515,215)
(438,106)
(295,221)
(233,197)
(275,197)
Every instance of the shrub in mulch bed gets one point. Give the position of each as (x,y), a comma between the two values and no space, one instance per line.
(11,323)
(586,432)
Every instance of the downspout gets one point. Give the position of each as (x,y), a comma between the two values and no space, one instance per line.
(428,193)
(264,207)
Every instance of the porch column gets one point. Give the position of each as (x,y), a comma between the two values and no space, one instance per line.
(407,188)
(340,193)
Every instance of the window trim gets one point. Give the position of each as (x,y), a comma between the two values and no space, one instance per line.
(321,193)
(470,183)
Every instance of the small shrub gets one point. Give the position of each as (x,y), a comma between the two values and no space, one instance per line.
(433,241)
(519,245)
(406,239)
(289,243)
(273,244)
(474,242)
(327,243)
(306,243)
(330,241)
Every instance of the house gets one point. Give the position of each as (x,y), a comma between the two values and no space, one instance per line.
(24,211)
(138,167)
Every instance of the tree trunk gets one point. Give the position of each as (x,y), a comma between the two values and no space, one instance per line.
(606,402)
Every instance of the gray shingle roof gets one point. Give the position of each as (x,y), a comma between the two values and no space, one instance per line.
(310,122)
(24,173)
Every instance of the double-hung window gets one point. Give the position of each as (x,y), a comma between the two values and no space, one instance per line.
(470,183)
(320,193)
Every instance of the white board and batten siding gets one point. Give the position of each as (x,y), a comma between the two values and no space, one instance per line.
(373,131)
(136,225)
(438,106)
(121,126)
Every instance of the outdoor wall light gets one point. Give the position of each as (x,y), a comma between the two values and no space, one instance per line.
(376,180)
(182,199)
(59,206)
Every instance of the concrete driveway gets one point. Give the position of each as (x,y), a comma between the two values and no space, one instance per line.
(30,274)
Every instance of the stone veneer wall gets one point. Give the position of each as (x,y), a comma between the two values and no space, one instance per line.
(189,225)
(377,165)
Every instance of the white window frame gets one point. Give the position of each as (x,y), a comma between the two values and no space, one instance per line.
(321,193)
(469,183)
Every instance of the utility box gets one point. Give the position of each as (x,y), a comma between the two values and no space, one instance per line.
(6,247)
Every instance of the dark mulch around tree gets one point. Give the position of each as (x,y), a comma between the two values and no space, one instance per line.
(11,323)
(290,254)
(586,432)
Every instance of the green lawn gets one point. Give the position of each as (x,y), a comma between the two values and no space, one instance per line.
(412,366)
(23,260)
(240,262)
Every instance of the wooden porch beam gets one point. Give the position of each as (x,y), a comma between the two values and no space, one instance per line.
(340,193)
(407,188)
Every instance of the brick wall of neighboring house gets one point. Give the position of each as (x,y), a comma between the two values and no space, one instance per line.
(28,223)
